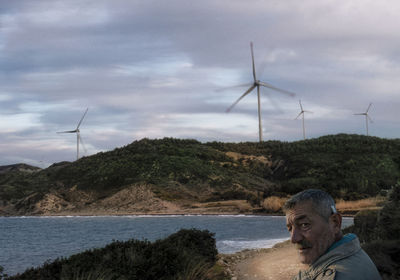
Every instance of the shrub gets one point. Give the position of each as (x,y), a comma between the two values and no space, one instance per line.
(365,224)
(379,231)
(386,256)
(389,218)
(372,202)
(185,253)
(273,203)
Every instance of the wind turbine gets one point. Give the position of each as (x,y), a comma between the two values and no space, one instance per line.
(256,84)
(78,136)
(367,117)
(302,113)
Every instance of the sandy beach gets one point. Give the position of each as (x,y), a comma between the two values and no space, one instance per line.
(278,263)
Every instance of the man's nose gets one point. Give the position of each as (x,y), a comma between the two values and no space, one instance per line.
(296,236)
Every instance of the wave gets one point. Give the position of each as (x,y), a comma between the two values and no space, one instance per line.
(234,246)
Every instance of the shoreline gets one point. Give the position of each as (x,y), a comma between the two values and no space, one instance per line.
(238,260)
(77,222)
(66,214)
(345,215)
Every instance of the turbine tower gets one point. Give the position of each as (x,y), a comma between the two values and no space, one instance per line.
(256,84)
(302,113)
(78,136)
(367,117)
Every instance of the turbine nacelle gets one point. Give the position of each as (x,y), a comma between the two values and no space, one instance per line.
(367,117)
(302,111)
(257,84)
(78,136)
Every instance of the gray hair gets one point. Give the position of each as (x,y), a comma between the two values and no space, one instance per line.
(323,203)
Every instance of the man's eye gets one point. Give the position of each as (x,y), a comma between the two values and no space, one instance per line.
(304,225)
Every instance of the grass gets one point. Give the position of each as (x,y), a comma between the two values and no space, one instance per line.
(371,203)
(241,205)
(194,270)
(273,203)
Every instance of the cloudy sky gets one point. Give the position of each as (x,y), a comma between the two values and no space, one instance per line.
(166,69)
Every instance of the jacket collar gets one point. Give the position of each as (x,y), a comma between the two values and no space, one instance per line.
(321,265)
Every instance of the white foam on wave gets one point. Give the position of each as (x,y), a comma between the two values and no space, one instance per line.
(233,246)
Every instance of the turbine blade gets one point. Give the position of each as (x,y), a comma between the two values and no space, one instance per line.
(240,98)
(274,104)
(301,107)
(369,118)
(79,124)
(277,89)
(252,60)
(299,115)
(233,87)
(83,145)
(69,131)
(368,107)
(305,111)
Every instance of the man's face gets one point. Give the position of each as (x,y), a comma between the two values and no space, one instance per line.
(311,233)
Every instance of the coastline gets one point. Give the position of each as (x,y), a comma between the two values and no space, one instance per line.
(156,215)
(147,215)
(241,258)
(99,231)
(166,212)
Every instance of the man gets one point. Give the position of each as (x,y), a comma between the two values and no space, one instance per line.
(315,229)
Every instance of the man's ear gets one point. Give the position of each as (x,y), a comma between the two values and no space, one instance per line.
(336,222)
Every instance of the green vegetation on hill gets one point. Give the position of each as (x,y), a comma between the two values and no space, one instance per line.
(159,162)
(185,255)
(18,167)
(347,166)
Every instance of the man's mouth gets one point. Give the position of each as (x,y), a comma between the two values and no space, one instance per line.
(302,247)
(303,250)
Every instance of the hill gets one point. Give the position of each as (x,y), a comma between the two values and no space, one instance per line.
(179,176)
(21,167)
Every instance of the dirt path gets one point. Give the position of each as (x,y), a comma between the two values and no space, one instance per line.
(278,263)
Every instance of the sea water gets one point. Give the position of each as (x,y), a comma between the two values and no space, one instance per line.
(30,241)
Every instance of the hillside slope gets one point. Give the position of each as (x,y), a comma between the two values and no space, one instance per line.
(180,176)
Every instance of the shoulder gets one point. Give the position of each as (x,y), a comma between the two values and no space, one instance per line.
(345,262)
(356,266)
(329,273)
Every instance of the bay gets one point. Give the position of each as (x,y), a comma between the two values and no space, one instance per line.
(30,241)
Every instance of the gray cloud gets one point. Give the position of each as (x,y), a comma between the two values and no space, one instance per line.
(151,68)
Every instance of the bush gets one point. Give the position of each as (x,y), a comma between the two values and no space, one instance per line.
(386,256)
(389,218)
(273,203)
(365,224)
(379,231)
(187,253)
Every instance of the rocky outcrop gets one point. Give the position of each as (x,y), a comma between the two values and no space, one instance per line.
(137,198)
(131,200)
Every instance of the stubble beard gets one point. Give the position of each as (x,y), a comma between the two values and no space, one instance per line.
(310,252)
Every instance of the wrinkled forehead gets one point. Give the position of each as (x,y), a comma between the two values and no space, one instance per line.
(301,210)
